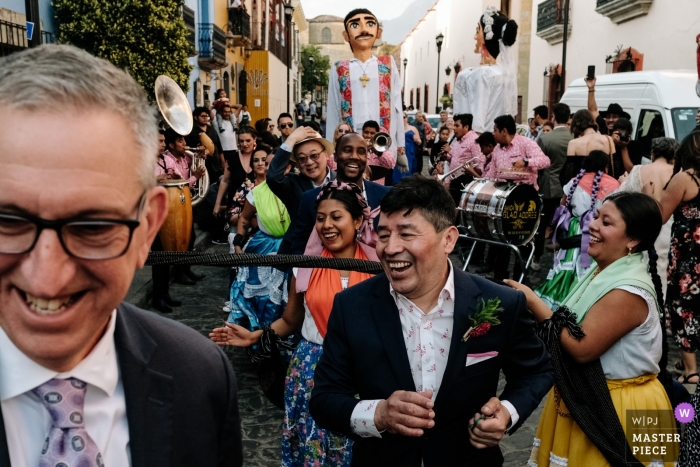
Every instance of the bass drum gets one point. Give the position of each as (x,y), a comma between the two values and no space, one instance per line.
(176,231)
(501,211)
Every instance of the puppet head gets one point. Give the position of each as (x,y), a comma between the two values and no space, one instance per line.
(361,30)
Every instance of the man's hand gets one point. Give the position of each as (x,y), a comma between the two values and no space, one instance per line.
(163,177)
(446,148)
(618,141)
(401,150)
(490,429)
(590,83)
(519,164)
(402,163)
(239,250)
(405,413)
(300,134)
(199,172)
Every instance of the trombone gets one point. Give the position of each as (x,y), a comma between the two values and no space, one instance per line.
(460,169)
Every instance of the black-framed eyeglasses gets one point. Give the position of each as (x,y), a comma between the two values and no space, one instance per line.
(93,239)
(286,125)
(312,157)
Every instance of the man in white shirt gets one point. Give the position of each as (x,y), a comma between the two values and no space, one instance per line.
(366,87)
(226,126)
(86,379)
(413,343)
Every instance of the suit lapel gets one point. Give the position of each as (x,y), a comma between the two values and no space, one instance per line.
(148,394)
(4,450)
(386,318)
(465,302)
(373,197)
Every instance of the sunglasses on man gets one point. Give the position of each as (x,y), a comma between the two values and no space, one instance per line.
(286,125)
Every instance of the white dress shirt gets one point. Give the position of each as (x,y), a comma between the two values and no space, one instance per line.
(27,422)
(228,136)
(365,100)
(427,337)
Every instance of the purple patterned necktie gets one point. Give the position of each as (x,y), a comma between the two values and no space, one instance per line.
(68,444)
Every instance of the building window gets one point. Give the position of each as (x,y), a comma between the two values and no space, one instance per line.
(624,60)
(649,126)
(552,87)
(425,96)
(417,98)
(326,36)
(411,98)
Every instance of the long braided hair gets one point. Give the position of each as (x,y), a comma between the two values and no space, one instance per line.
(643,222)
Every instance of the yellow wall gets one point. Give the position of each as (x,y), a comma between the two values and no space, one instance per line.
(257,67)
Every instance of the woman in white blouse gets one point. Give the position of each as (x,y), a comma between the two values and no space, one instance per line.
(342,217)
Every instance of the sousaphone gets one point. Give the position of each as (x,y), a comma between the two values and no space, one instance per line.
(177,113)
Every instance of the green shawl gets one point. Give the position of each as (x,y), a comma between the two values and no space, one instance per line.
(592,288)
(271,211)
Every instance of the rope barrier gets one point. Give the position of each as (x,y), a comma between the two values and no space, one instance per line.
(162,258)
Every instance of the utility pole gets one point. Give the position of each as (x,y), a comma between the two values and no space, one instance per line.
(31,9)
(563,54)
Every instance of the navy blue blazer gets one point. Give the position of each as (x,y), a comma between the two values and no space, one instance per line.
(306,217)
(364,353)
(180,391)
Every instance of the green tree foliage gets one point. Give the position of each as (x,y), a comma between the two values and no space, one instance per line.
(146,38)
(315,74)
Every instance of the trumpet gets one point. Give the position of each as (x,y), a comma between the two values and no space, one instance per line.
(459,169)
(380,142)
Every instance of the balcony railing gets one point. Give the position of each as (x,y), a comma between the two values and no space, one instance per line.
(620,11)
(212,47)
(13,37)
(238,27)
(550,21)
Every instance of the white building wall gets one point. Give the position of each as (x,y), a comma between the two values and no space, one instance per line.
(457,21)
(666,37)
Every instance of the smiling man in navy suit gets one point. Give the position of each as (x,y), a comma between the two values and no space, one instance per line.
(402,341)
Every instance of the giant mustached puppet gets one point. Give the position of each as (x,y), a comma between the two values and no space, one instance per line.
(490,90)
(366,87)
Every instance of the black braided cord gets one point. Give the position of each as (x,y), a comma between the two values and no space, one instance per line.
(585,391)
(160,258)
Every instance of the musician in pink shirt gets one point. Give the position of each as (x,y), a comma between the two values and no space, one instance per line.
(176,161)
(516,153)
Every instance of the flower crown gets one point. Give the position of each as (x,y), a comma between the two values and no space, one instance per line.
(487,19)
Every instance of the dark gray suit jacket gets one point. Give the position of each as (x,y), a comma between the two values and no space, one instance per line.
(180,391)
(554,145)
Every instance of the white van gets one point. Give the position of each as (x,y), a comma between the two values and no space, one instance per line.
(646,95)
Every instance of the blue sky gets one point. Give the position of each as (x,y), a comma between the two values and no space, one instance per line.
(384,9)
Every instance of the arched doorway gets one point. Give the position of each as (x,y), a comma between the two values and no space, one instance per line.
(242,87)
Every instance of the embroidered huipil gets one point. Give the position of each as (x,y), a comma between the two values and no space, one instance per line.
(363,102)
(171,164)
(427,337)
(520,148)
(466,148)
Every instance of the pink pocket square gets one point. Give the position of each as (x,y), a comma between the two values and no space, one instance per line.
(473,358)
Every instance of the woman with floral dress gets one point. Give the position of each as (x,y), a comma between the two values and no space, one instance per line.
(342,217)
(681,199)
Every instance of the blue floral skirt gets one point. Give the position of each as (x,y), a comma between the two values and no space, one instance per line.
(303,442)
(259,294)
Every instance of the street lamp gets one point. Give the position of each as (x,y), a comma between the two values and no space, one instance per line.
(288,12)
(438,40)
(403,97)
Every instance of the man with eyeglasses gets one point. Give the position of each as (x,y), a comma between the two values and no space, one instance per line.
(285,125)
(351,156)
(202,124)
(310,154)
(140,389)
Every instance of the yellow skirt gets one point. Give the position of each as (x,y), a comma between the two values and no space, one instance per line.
(561,442)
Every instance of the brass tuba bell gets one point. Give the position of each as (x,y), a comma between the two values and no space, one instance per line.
(177,113)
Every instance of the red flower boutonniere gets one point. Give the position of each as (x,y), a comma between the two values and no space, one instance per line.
(484,319)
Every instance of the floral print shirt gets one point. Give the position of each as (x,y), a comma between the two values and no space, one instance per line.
(520,148)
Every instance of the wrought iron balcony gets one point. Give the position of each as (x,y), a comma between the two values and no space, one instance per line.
(238,34)
(550,21)
(620,11)
(212,47)
(13,37)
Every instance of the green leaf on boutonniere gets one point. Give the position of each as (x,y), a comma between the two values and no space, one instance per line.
(484,318)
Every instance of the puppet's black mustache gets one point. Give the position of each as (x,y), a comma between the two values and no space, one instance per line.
(364,35)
